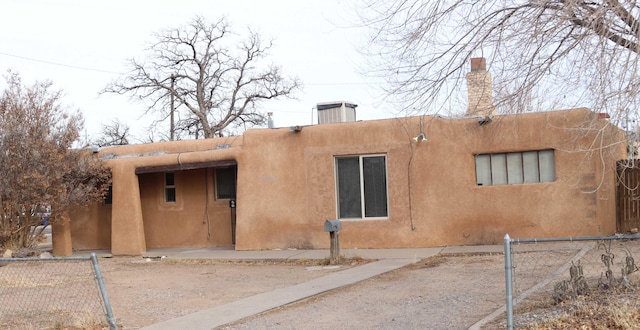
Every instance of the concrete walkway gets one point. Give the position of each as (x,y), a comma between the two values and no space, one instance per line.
(243,308)
(387,260)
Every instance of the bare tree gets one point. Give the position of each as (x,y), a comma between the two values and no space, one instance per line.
(543,53)
(208,75)
(40,169)
(115,133)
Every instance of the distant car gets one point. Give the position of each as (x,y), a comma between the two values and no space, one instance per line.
(44,219)
(34,218)
(40,218)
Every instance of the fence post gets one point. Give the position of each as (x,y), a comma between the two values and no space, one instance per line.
(508,273)
(103,292)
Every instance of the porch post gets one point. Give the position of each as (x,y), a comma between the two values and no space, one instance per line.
(127,226)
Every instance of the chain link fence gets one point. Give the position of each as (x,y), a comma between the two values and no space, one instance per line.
(53,293)
(550,277)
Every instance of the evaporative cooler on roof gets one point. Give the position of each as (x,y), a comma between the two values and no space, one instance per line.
(336,112)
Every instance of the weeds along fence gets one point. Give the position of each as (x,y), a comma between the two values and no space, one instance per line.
(547,277)
(53,293)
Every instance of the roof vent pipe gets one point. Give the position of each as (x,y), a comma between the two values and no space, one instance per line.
(270,119)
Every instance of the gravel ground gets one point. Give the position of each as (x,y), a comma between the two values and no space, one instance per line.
(444,292)
(147,292)
(452,292)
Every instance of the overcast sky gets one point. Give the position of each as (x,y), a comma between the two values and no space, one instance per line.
(83,45)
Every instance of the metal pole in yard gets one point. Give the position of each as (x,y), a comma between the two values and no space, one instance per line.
(508,274)
(103,291)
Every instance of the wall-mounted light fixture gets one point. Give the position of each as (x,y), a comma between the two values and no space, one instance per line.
(484,120)
(296,129)
(420,138)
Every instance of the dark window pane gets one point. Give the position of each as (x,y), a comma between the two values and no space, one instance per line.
(375,186)
(226,183)
(349,199)
(169,187)
(170,195)
(108,199)
(169,179)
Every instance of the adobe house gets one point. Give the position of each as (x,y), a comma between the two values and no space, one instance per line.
(395,183)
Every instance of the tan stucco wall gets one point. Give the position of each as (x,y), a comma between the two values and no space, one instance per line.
(457,211)
(91,227)
(292,182)
(196,219)
(128,226)
(294,193)
(286,185)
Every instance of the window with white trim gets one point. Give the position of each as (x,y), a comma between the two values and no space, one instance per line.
(361,183)
(515,168)
(169,187)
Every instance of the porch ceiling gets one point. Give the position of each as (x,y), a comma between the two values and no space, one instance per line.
(187,166)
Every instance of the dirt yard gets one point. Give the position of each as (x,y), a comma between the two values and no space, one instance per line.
(443,292)
(147,292)
(451,292)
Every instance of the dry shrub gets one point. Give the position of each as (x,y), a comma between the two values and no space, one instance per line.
(87,321)
(592,312)
(23,325)
(431,262)
(61,321)
(43,175)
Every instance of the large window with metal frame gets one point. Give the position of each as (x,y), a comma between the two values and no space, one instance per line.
(515,168)
(361,183)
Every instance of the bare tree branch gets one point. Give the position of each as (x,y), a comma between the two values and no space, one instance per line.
(543,53)
(214,77)
(115,133)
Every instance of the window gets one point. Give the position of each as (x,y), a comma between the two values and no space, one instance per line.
(515,168)
(108,198)
(169,187)
(362,186)
(226,183)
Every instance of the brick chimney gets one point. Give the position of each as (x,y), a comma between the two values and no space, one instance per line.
(480,87)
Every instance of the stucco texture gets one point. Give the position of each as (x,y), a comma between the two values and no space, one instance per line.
(286,186)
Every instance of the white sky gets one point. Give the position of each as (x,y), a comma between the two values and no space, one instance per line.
(83,45)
